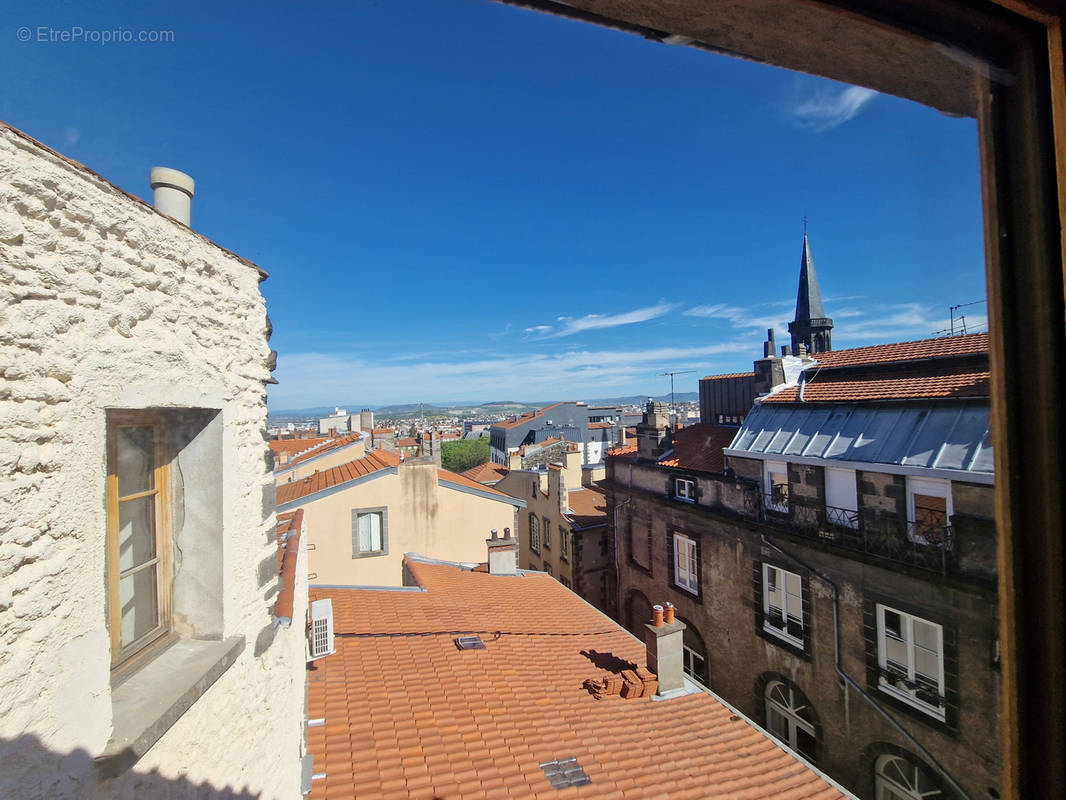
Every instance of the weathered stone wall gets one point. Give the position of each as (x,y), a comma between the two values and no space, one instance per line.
(883,494)
(740,656)
(104,303)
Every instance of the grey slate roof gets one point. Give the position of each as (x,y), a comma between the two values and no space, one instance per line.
(939,435)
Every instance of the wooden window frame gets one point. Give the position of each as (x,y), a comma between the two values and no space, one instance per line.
(124,657)
(783,635)
(359,512)
(546,533)
(677,539)
(793,721)
(685,490)
(534,532)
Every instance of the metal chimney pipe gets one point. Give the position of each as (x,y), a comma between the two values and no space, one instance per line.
(173,191)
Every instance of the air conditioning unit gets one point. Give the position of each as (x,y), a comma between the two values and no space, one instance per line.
(320,637)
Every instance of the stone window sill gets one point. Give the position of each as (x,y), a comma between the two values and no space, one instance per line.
(147,703)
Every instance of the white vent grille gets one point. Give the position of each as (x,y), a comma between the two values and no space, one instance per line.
(321,643)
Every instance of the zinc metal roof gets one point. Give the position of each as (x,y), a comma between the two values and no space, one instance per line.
(951,436)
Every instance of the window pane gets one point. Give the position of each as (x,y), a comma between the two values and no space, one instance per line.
(896,651)
(137,601)
(776,722)
(370,532)
(893,624)
(925,635)
(805,743)
(927,663)
(136,459)
(136,532)
(793,584)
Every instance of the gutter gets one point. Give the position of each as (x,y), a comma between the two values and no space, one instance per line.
(851,682)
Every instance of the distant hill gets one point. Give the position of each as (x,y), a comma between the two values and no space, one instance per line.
(492,407)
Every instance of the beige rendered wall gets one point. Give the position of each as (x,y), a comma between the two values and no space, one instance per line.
(105,303)
(423,518)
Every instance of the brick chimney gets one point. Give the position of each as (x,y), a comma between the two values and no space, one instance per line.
(665,636)
(503,553)
(653,432)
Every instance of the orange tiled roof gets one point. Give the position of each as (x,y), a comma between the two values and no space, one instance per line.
(373,461)
(409,714)
(588,507)
(462,480)
(838,388)
(322,449)
(699,447)
(970,344)
(486,473)
(288,553)
(293,446)
(382,431)
(598,425)
(624,450)
(729,375)
(407,442)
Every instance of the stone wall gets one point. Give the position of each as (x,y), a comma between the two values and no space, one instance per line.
(107,304)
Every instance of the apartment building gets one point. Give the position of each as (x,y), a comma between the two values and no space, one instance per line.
(841,545)
(595,429)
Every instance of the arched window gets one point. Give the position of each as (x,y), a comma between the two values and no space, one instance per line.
(790,718)
(898,778)
(639,613)
(694,654)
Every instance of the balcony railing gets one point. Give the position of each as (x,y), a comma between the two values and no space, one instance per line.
(870,531)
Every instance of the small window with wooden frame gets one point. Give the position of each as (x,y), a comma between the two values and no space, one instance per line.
(139,568)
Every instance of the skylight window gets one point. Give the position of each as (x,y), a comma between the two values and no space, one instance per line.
(565,773)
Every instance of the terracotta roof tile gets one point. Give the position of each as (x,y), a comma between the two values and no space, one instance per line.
(729,375)
(462,480)
(970,344)
(295,446)
(624,450)
(373,461)
(699,447)
(288,553)
(326,447)
(598,425)
(840,388)
(408,714)
(486,473)
(588,507)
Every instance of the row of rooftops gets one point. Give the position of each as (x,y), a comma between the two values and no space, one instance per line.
(401,710)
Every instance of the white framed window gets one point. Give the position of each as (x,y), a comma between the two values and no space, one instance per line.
(369,532)
(564,543)
(789,717)
(896,778)
(686,564)
(841,497)
(694,654)
(910,652)
(547,533)
(782,604)
(929,509)
(534,533)
(685,489)
(775,485)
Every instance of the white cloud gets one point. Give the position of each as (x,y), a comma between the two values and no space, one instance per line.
(830,108)
(312,379)
(71,135)
(746,319)
(569,326)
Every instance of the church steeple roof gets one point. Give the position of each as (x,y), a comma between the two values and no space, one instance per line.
(809,298)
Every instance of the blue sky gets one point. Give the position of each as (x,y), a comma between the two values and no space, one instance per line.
(468,201)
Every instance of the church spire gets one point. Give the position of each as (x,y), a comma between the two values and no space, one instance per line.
(811,327)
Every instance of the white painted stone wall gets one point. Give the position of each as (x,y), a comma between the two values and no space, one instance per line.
(104,303)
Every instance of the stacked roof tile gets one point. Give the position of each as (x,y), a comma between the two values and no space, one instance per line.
(289,530)
(294,446)
(970,344)
(409,714)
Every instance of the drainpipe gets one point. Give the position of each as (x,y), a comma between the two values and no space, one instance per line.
(848,679)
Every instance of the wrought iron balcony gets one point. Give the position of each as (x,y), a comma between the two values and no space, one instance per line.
(869,531)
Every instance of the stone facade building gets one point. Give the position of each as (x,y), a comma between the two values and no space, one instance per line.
(836,564)
(139,568)
(563,530)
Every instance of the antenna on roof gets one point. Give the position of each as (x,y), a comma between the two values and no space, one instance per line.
(952,311)
(673,409)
